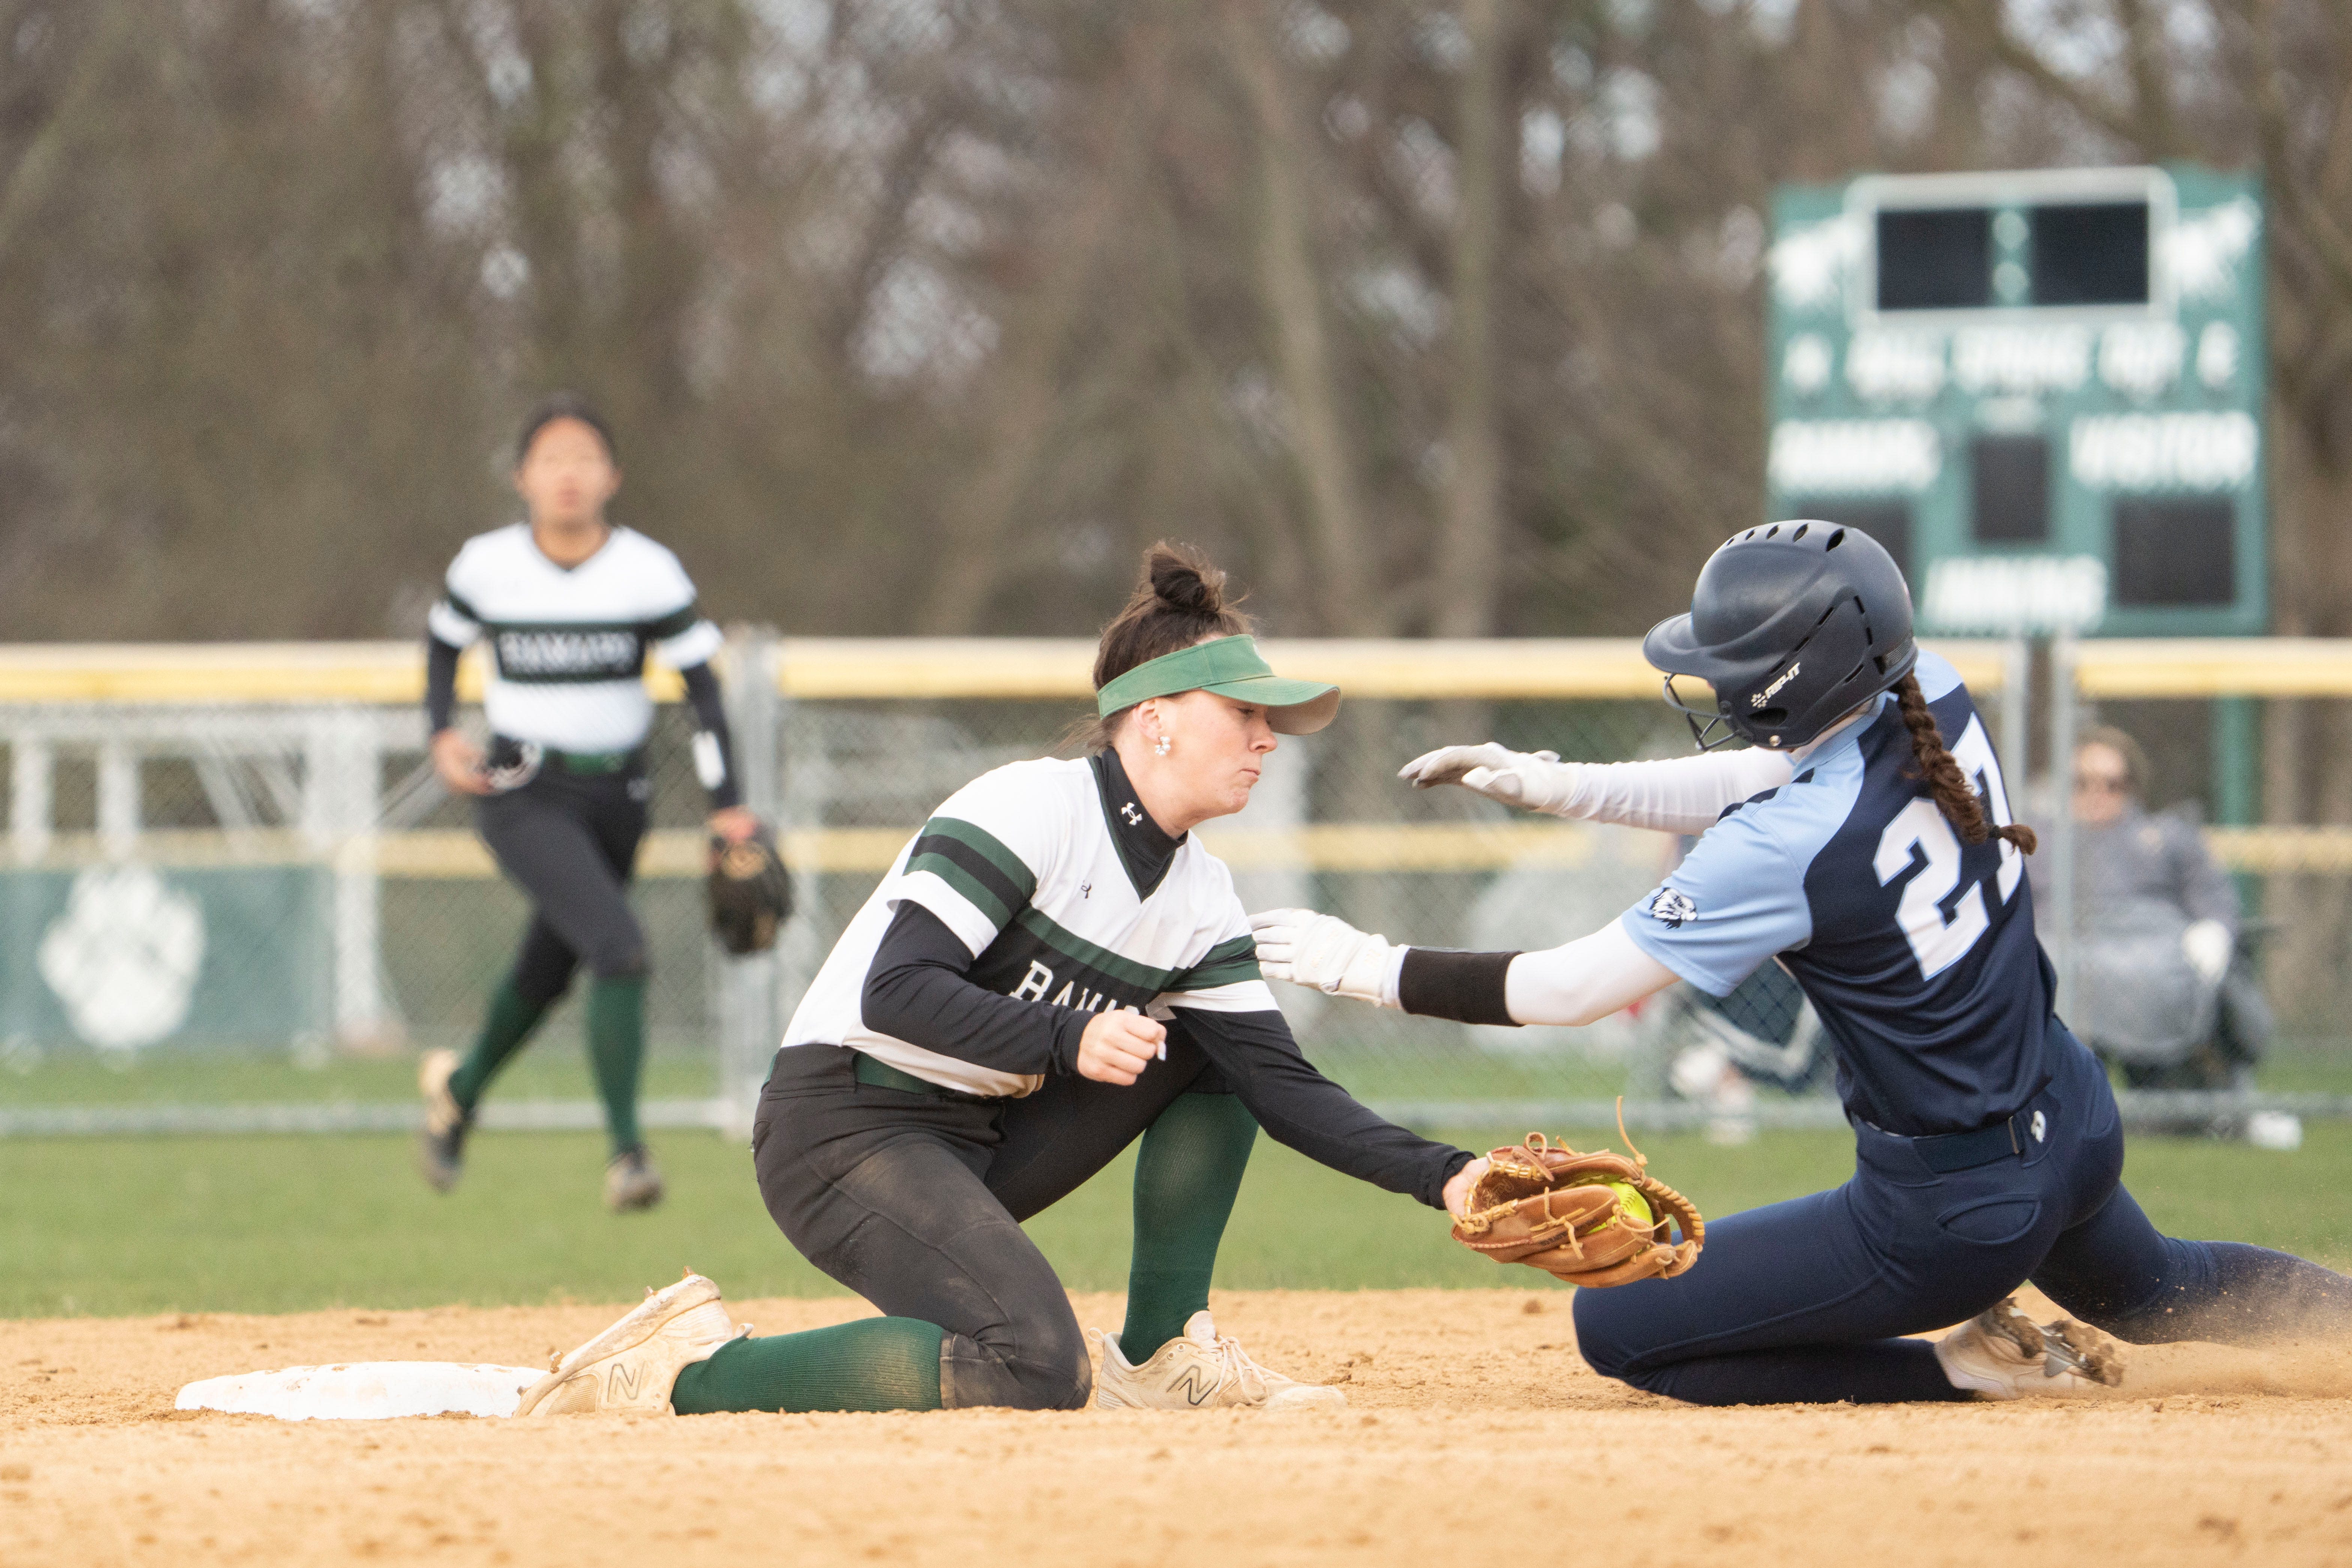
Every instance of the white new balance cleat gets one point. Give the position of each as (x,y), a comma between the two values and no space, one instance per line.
(441,1143)
(1199,1370)
(2002,1354)
(633,1365)
(630,1181)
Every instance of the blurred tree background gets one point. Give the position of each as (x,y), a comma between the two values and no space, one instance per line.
(923,315)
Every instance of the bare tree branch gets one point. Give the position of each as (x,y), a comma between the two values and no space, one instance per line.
(1292,297)
(2329,242)
(35,175)
(1467,571)
(1984,21)
(2151,88)
(972,557)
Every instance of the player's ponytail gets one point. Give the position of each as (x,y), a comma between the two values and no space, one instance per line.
(1954,795)
(1179,598)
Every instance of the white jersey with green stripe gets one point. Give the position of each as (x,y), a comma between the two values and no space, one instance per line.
(1066,894)
(568,643)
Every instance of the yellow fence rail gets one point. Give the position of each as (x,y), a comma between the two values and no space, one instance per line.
(436,855)
(870,668)
(1051,667)
(2214,667)
(457,855)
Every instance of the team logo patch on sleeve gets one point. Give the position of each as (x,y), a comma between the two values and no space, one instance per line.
(1671,908)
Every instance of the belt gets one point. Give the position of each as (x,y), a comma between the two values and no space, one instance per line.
(878,1074)
(590,764)
(593,763)
(2012,1134)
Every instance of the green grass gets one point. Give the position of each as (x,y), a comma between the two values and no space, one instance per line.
(553,1070)
(680,1067)
(2324,1069)
(556,1069)
(128,1225)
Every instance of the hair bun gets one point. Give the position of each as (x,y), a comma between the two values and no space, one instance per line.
(1182,579)
(1179,599)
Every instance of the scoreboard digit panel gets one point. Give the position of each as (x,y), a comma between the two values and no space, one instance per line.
(2041,389)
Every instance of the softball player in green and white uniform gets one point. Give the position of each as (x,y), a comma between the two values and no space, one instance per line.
(569,606)
(1053,967)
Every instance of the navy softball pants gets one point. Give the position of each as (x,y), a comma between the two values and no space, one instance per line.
(1804,1301)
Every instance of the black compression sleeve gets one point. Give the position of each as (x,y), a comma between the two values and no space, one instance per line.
(1299,1107)
(710,718)
(440,684)
(1439,984)
(916,991)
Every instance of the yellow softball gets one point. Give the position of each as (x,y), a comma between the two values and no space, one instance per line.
(1636,1206)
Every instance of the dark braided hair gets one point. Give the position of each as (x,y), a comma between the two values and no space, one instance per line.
(1954,795)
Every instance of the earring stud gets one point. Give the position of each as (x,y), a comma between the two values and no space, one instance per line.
(1165,743)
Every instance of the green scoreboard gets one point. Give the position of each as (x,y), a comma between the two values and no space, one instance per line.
(2041,390)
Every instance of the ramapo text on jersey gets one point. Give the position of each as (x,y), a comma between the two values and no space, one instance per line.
(1064,895)
(568,645)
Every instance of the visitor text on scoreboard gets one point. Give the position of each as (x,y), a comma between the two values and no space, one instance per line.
(2041,390)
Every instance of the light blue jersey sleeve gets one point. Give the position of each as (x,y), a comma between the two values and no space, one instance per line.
(1935,675)
(1738,897)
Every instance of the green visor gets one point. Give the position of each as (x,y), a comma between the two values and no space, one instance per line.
(1230,666)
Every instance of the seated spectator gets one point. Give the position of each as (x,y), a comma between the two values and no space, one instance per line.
(2161,988)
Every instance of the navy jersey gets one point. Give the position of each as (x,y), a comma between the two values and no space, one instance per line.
(1917,950)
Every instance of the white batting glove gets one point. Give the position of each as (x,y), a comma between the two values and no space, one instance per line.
(1327,953)
(2207,946)
(1532,781)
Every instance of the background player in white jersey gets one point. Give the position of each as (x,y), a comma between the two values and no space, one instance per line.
(1052,966)
(1876,862)
(569,605)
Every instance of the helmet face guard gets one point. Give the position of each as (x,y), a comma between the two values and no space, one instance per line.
(1709,727)
(1795,625)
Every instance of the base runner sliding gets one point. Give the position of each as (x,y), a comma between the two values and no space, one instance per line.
(1053,967)
(1874,859)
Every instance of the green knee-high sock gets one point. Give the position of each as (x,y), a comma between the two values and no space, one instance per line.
(875,1364)
(511,1018)
(1186,1180)
(616,1050)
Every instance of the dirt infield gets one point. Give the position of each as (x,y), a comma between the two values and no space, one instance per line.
(1474,1433)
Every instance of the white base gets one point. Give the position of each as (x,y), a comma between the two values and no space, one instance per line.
(2276,1130)
(366,1391)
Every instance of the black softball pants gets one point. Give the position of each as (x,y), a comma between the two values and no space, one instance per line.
(915,1202)
(569,842)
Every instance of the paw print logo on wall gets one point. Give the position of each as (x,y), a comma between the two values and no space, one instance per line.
(125,957)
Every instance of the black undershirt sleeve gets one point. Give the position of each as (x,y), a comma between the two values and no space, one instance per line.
(916,991)
(1259,1060)
(1438,983)
(440,684)
(710,718)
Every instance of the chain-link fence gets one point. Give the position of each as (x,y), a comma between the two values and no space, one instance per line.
(2229,817)
(874,736)
(235,897)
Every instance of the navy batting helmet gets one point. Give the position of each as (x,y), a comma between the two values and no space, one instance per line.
(1795,625)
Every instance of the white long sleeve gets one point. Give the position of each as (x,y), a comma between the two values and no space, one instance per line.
(1588,979)
(1678,795)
